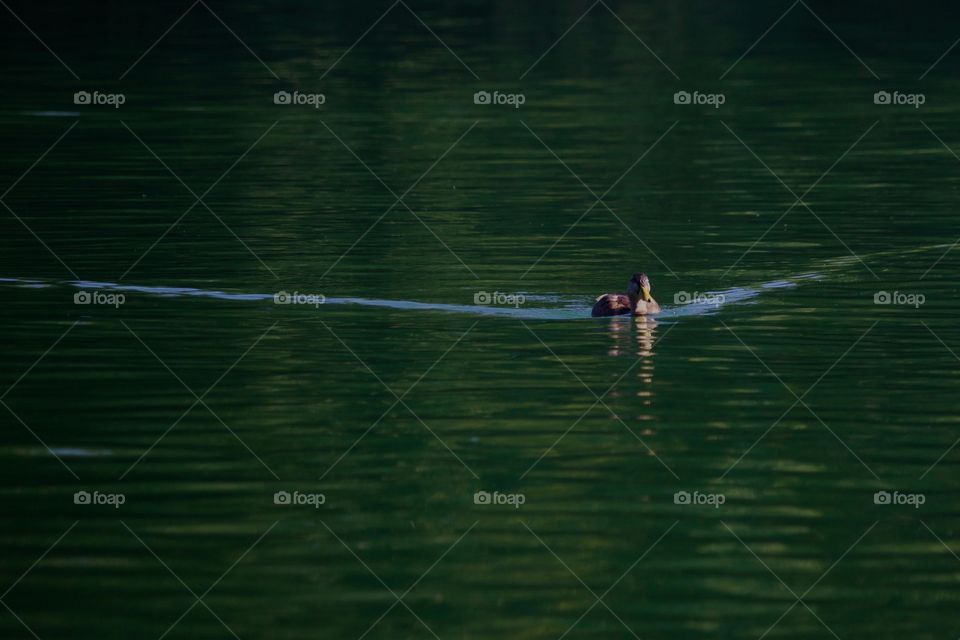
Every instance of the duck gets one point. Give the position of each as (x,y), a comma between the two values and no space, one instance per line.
(637,300)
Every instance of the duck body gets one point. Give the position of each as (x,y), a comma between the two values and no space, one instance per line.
(611,304)
(618,304)
(637,301)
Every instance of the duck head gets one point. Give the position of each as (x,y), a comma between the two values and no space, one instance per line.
(639,287)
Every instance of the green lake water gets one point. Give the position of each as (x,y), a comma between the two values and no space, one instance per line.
(782,399)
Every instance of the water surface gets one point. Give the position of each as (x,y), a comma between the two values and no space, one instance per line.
(782,388)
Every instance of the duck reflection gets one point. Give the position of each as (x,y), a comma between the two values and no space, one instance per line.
(636,336)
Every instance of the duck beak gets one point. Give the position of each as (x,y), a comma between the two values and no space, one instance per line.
(646,294)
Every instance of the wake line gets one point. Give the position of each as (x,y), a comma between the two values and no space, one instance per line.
(566,307)
(569,307)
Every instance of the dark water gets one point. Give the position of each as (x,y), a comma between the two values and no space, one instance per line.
(783,392)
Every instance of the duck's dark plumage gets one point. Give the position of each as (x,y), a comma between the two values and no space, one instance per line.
(611,304)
